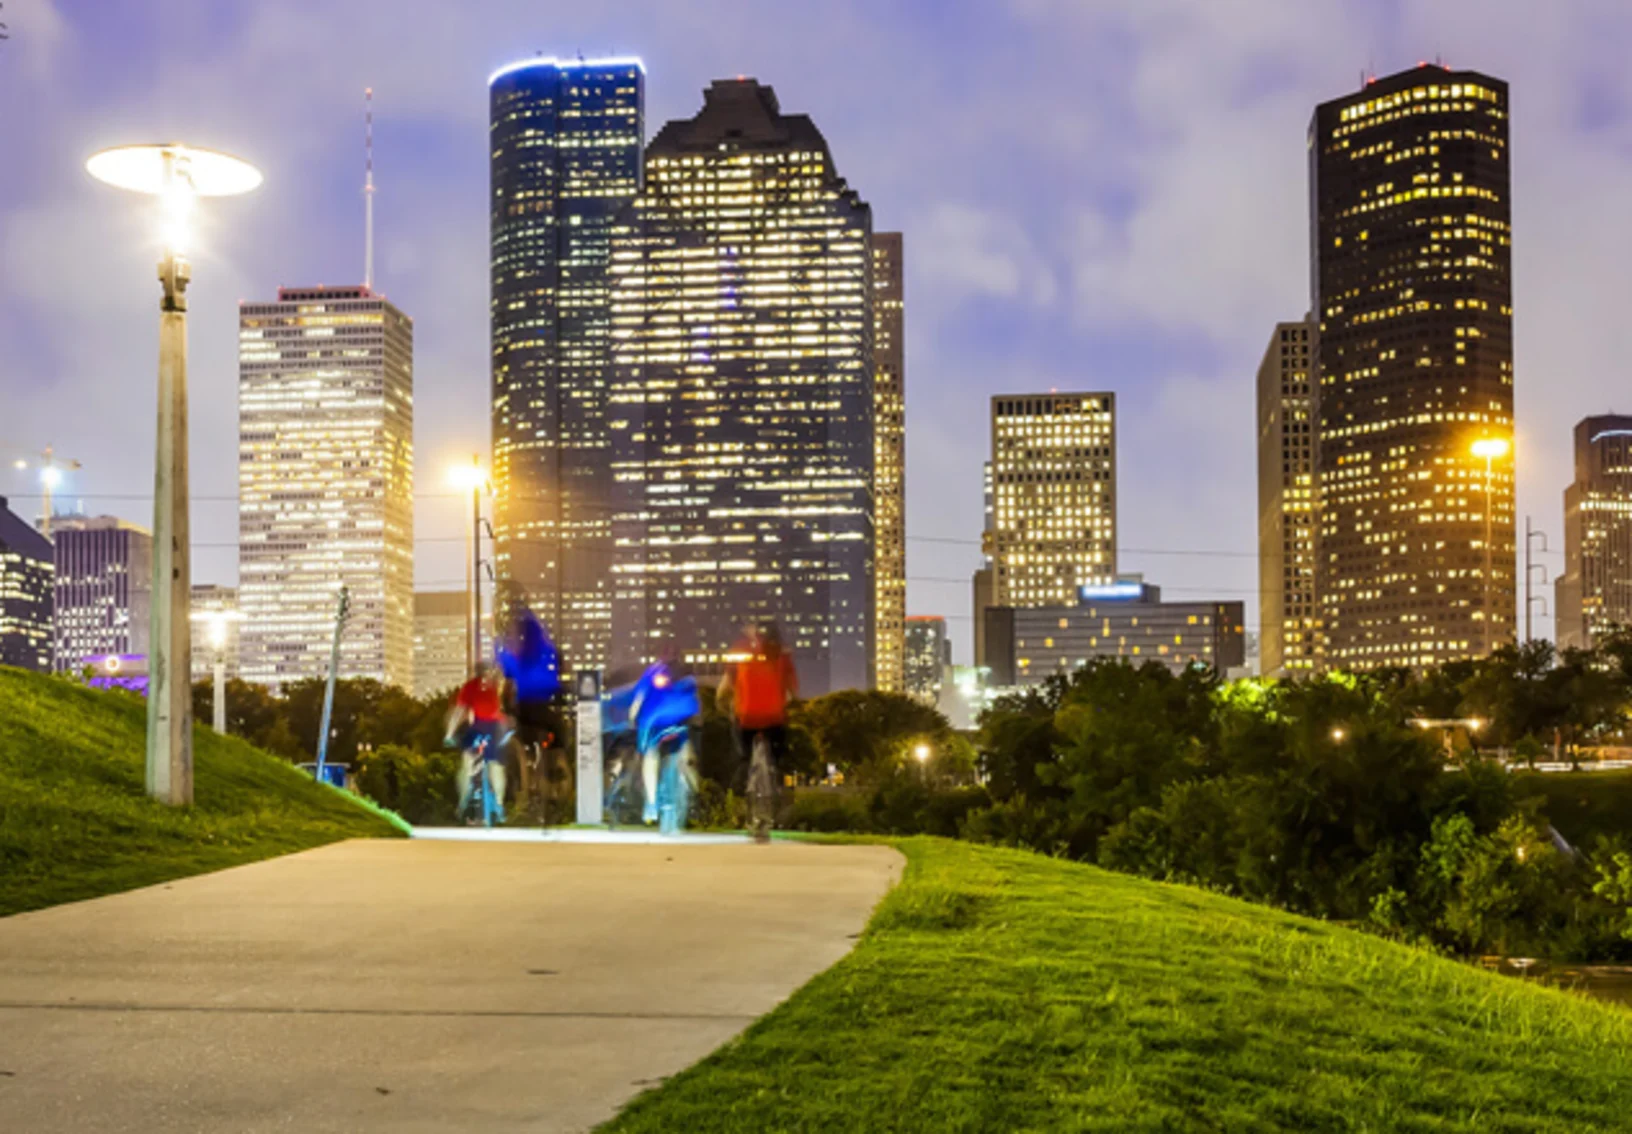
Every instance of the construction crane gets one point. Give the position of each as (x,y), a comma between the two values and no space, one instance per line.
(51,469)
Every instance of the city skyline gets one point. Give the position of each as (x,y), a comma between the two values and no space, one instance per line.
(992,290)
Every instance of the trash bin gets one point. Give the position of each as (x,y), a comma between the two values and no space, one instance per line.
(333,774)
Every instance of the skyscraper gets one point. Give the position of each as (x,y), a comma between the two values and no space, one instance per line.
(743,395)
(104,588)
(565,145)
(928,657)
(1595,590)
(1411,289)
(325,485)
(889,459)
(27,579)
(1053,528)
(1288,619)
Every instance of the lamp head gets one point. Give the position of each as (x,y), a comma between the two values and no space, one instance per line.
(1491,448)
(922,753)
(50,476)
(468,477)
(177,175)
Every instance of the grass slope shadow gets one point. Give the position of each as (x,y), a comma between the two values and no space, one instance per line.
(76,823)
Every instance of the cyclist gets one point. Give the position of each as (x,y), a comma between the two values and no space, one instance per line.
(474,725)
(532,669)
(761,686)
(663,706)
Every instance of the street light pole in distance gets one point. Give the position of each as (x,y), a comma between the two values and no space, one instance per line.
(177,175)
(1490,448)
(473,477)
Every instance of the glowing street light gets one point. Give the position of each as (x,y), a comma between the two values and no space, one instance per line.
(474,478)
(216,624)
(1491,449)
(1338,734)
(922,753)
(177,175)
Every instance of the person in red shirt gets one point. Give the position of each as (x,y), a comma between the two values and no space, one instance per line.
(761,686)
(476,722)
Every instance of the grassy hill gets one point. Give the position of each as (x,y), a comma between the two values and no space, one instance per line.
(1582,805)
(996,990)
(75,822)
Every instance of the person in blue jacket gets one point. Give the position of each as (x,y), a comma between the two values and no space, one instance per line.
(532,667)
(663,707)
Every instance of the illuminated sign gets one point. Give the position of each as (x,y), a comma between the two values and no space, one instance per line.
(1112,592)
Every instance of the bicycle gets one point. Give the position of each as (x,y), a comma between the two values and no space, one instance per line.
(761,790)
(623,788)
(674,787)
(481,799)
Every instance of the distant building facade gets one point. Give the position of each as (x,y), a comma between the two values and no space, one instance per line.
(1128,620)
(325,485)
(742,401)
(27,585)
(215,613)
(565,157)
(104,588)
(928,657)
(441,641)
(889,459)
(1411,233)
(1289,619)
(1595,591)
(1053,528)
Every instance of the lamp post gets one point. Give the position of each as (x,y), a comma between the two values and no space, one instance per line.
(473,477)
(177,175)
(1490,448)
(217,621)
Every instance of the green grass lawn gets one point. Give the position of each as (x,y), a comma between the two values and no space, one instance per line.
(1583,805)
(75,822)
(996,990)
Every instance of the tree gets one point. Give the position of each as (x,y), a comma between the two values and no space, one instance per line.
(865,733)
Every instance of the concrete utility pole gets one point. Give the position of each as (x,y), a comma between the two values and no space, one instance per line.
(170,645)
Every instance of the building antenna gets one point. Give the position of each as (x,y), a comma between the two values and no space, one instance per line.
(368,188)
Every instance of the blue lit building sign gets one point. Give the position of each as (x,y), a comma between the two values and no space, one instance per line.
(1112,592)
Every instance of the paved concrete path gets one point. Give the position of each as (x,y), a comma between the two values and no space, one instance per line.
(412,986)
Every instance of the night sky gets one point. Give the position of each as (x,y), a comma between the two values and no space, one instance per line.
(1095,195)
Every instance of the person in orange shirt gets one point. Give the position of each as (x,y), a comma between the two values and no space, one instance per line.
(761,686)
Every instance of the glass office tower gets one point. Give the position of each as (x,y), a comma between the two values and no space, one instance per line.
(565,151)
(1411,232)
(325,485)
(743,400)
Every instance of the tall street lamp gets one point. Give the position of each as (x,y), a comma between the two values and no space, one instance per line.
(473,477)
(1490,448)
(177,175)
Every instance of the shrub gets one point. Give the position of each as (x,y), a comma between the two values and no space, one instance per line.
(827,812)
(421,787)
(905,804)
(717,807)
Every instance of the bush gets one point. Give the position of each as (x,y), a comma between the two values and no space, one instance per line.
(827,811)
(421,787)
(905,804)
(718,808)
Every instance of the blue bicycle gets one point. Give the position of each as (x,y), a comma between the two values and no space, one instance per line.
(674,781)
(484,796)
